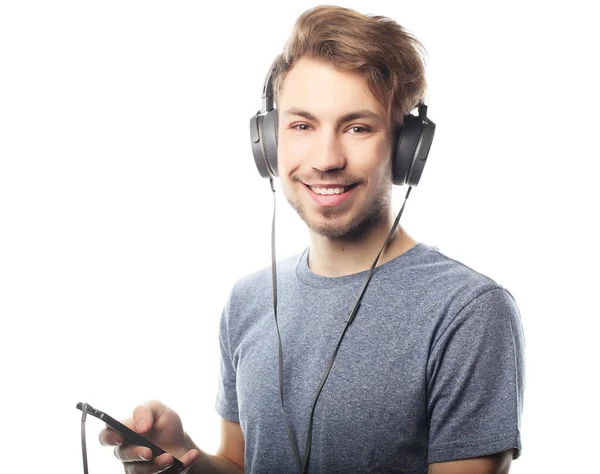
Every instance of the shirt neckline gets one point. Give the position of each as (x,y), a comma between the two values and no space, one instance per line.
(306,276)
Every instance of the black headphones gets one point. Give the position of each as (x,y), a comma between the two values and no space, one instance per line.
(413,140)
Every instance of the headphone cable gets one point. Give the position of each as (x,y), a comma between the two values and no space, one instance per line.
(302,463)
(274,278)
(84,410)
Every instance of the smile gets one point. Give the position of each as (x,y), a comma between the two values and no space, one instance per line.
(330,196)
(324,191)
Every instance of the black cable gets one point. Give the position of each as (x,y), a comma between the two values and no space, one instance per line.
(303,463)
(274,277)
(84,409)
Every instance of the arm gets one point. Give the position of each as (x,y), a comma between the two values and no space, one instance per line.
(229,457)
(476,377)
(495,464)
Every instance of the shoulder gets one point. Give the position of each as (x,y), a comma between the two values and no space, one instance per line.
(444,292)
(442,276)
(252,294)
(251,297)
(260,282)
(466,300)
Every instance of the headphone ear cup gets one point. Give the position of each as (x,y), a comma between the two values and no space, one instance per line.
(423,146)
(257,153)
(263,138)
(412,147)
(408,137)
(269,139)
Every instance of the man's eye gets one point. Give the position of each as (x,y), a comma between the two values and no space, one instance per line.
(297,127)
(359,130)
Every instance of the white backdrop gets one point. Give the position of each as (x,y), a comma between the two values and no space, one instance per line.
(130,203)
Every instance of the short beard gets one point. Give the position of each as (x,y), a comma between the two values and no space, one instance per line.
(355,229)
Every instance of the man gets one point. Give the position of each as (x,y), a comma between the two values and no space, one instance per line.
(429,376)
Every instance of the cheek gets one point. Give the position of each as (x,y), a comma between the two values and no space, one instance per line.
(285,167)
(374,160)
(385,152)
(283,163)
(287,186)
(290,154)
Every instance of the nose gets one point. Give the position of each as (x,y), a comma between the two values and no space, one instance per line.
(328,152)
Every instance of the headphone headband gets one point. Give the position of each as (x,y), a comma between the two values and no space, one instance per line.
(267,95)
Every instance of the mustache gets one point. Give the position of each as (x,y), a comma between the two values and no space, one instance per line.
(337,176)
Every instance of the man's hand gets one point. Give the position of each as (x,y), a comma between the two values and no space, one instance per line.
(160,425)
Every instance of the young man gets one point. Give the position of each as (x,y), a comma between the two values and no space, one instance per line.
(429,376)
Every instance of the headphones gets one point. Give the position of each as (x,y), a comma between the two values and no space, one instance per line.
(412,144)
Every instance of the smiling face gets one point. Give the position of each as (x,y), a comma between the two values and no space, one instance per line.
(334,150)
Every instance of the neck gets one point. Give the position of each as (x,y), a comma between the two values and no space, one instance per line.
(339,257)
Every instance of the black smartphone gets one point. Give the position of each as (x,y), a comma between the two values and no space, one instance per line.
(132,437)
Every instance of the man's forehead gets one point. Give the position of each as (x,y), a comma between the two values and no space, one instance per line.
(319,91)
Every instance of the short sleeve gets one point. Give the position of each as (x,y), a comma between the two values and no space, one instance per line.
(227,403)
(476,380)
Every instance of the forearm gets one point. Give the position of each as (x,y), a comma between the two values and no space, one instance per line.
(212,464)
(215,464)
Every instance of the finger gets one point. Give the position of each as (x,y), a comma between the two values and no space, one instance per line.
(164,461)
(133,453)
(142,468)
(190,457)
(109,437)
(146,414)
(157,465)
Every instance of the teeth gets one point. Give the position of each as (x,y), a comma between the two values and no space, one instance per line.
(328,190)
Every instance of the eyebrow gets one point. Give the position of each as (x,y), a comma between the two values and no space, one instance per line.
(358,114)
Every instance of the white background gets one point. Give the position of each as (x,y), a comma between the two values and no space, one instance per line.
(130,203)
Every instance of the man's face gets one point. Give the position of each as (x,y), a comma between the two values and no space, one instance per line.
(334,149)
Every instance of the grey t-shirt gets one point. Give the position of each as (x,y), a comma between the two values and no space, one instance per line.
(430,370)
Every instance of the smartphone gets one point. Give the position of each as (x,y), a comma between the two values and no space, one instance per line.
(132,437)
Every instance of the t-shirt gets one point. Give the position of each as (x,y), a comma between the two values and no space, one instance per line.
(430,370)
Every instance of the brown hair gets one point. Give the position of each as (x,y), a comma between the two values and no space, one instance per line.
(390,58)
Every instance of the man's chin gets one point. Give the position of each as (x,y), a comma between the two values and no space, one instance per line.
(329,232)
(340,230)
(339,223)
